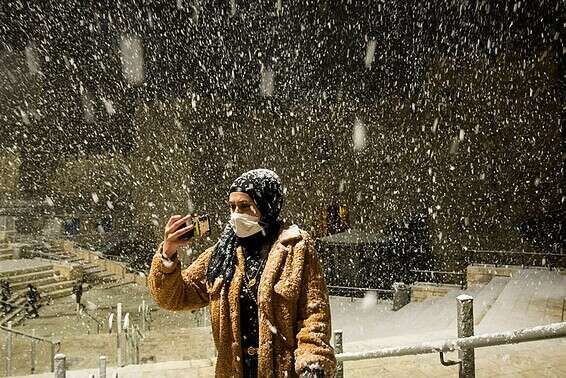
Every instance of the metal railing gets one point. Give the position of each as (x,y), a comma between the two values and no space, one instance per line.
(498,258)
(399,293)
(465,343)
(551,331)
(54,344)
(439,276)
(99,323)
(337,290)
(493,257)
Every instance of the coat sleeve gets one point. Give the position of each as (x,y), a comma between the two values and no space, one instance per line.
(178,290)
(314,327)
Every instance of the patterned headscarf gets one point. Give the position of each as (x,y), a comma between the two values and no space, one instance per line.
(266,190)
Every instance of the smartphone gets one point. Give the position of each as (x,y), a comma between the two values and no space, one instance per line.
(201,227)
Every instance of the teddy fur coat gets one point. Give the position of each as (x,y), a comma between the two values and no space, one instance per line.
(293,307)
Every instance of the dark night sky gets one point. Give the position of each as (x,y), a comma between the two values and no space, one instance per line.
(312,46)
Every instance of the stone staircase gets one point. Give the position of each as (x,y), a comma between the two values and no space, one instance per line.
(54,250)
(6,251)
(48,282)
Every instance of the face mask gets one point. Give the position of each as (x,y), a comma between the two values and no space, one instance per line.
(245,225)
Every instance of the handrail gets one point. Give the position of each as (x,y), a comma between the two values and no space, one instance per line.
(360,289)
(550,331)
(432,273)
(11,304)
(515,252)
(436,272)
(98,322)
(33,337)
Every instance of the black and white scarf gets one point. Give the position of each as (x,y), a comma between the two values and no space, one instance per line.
(266,190)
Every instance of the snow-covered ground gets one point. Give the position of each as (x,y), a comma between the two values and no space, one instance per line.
(529,298)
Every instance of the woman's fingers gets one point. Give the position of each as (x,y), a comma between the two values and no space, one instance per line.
(176,224)
(173,230)
(172,219)
(180,232)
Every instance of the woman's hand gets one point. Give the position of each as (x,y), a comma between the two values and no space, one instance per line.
(312,373)
(172,234)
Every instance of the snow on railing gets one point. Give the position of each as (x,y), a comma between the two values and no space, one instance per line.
(550,331)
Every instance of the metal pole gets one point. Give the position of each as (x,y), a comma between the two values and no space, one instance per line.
(9,351)
(60,366)
(33,352)
(119,334)
(338,349)
(102,367)
(143,315)
(137,349)
(119,317)
(465,305)
(127,347)
(52,358)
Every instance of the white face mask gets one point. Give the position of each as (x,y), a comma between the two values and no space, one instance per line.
(245,225)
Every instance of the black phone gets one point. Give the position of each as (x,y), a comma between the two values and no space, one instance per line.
(201,227)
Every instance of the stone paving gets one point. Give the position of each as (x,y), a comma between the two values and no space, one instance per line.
(535,359)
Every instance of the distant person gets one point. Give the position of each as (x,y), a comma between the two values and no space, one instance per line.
(78,293)
(32,298)
(6,295)
(269,306)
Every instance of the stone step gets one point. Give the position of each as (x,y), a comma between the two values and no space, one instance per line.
(21,271)
(12,315)
(19,318)
(95,270)
(107,277)
(60,293)
(37,282)
(31,277)
(6,257)
(48,288)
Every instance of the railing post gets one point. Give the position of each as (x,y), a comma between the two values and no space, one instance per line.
(102,367)
(33,352)
(60,365)
(138,339)
(401,295)
(338,349)
(52,358)
(143,315)
(466,329)
(126,345)
(119,334)
(9,351)
(110,321)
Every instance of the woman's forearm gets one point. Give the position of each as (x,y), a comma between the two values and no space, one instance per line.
(178,290)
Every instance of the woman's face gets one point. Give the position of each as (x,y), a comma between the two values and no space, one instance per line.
(242,203)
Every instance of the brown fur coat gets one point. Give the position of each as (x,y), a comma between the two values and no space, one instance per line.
(293,306)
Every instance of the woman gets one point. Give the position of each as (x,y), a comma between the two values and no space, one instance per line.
(269,305)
